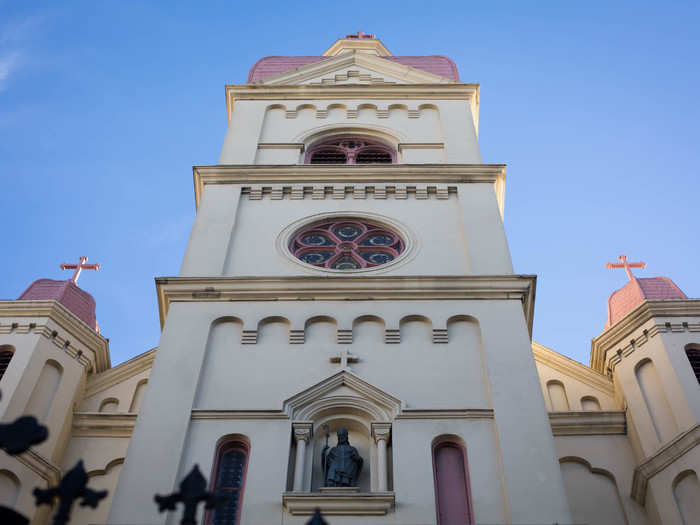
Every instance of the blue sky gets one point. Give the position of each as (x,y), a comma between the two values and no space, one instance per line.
(105,106)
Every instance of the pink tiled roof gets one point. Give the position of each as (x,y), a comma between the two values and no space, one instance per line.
(623,301)
(275,65)
(77,300)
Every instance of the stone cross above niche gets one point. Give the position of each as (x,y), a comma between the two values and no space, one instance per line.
(344,358)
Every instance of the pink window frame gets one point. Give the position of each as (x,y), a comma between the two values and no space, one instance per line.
(341,248)
(350,153)
(223,447)
(449,441)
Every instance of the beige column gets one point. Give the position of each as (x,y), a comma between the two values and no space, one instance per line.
(303,431)
(381,432)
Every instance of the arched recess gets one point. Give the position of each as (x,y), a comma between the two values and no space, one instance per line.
(110,404)
(139,392)
(99,479)
(590,403)
(416,328)
(686,493)
(273,330)
(9,488)
(384,134)
(219,357)
(350,149)
(453,499)
(321,329)
(368,329)
(657,404)
(44,391)
(692,352)
(592,493)
(6,353)
(228,476)
(343,400)
(465,329)
(557,396)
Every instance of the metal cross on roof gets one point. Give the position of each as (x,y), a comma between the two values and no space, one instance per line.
(626,265)
(79,268)
(360,34)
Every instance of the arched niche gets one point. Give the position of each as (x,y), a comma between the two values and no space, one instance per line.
(368,329)
(416,329)
(557,396)
(686,493)
(342,400)
(44,391)
(109,405)
(219,357)
(655,399)
(9,488)
(592,493)
(321,329)
(273,330)
(139,392)
(590,403)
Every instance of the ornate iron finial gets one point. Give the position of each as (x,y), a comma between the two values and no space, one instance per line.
(626,265)
(79,268)
(317,518)
(22,433)
(193,491)
(73,486)
(12,517)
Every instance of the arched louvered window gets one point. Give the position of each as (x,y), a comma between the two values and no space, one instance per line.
(350,150)
(451,476)
(6,353)
(693,353)
(228,479)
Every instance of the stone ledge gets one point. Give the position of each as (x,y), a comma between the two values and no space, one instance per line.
(588,423)
(347,504)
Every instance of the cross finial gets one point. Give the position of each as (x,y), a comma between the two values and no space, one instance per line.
(626,265)
(79,268)
(344,358)
(73,486)
(360,35)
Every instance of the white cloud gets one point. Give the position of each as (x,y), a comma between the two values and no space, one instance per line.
(9,62)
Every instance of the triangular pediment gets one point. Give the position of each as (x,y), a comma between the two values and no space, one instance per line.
(342,390)
(355,68)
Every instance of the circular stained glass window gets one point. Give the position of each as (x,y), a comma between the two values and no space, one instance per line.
(346,244)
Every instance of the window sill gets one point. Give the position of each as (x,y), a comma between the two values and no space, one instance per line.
(339,503)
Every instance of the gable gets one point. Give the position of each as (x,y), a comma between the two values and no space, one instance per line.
(397,70)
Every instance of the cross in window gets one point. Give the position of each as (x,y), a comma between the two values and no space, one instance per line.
(626,265)
(79,268)
(344,358)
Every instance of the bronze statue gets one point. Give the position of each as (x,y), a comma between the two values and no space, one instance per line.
(342,464)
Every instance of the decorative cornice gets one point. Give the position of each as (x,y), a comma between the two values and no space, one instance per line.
(446,413)
(103,424)
(41,466)
(590,423)
(665,456)
(334,288)
(343,504)
(120,373)
(572,368)
(198,413)
(97,345)
(367,174)
(649,309)
(429,88)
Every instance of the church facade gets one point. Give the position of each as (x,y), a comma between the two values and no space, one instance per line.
(347,333)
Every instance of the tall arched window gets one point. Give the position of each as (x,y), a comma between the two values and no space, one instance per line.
(228,479)
(6,353)
(350,150)
(693,353)
(451,475)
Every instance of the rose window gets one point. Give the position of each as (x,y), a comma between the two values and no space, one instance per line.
(346,244)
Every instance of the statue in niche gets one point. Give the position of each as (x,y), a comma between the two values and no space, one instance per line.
(341,464)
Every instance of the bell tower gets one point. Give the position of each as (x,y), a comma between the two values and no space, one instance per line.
(348,275)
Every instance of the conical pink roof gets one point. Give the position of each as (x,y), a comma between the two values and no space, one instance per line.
(623,301)
(77,300)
